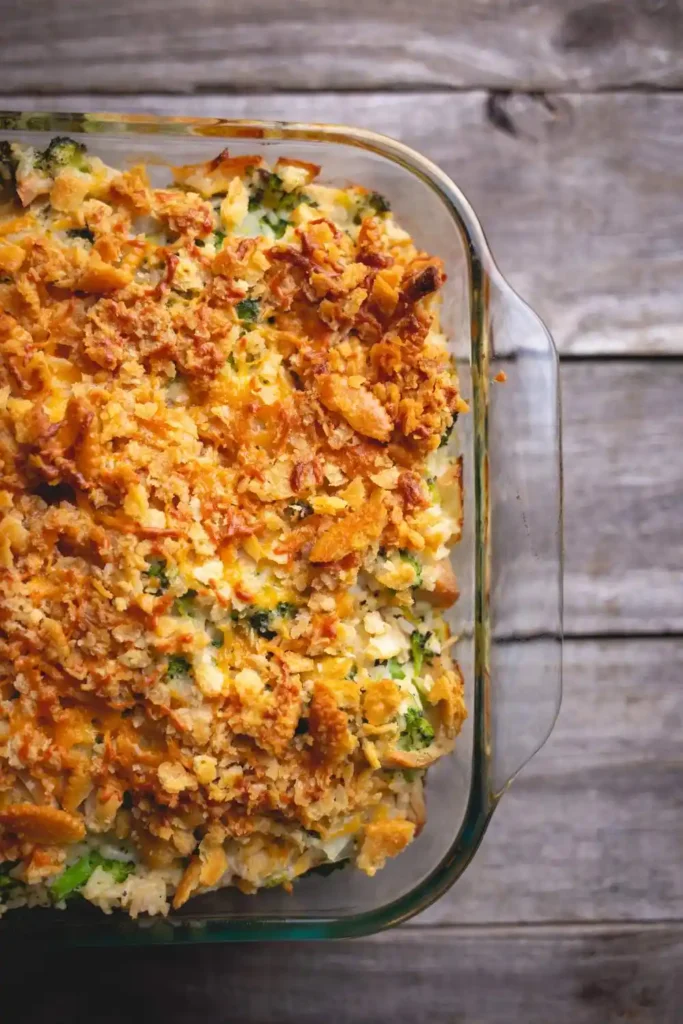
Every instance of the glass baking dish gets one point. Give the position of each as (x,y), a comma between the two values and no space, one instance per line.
(509,563)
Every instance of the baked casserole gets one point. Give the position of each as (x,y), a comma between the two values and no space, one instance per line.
(229,490)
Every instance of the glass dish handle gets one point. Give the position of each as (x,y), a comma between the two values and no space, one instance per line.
(521,419)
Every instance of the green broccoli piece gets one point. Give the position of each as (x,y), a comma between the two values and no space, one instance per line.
(217,640)
(446,436)
(218,238)
(184,605)
(298,509)
(178,666)
(275,880)
(417,731)
(157,572)
(8,166)
(418,649)
(286,609)
(6,881)
(248,310)
(373,202)
(290,201)
(353,672)
(378,203)
(62,152)
(118,869)
(409,557)
(78,873)
(395,670)
(84,233)
(274,191)
(260,623)
(279,227)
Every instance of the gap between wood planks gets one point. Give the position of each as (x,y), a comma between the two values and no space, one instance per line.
(472,88)
(537,929)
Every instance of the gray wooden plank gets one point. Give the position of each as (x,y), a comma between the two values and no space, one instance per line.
(623,495)
(179,46)
(587,223)
(592,828)
(444,976)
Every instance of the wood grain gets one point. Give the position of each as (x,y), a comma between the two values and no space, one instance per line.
(493,976)
(623,495)
(592,828)
(587,223)
(181,46)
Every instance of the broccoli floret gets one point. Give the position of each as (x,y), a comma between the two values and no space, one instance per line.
(371,203)
(84,233)
(418,649)
(279,227)
(286,609)
(409,557)
(395,670)
(446,436)
(218,238)
(77,874)
(248,310)
(260,623)
(157,572)
(63,152)
(184,605)
(119,869)
(289,201)
(378,203)
(8,166)
(298,509)
(275,880)
(178,666)
(6,881)
(417,731)
(274,192)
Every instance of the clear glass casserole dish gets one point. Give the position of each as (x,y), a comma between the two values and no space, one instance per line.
(509,563)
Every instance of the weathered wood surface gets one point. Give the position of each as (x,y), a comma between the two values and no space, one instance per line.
(182,45)
(601,975)
(592,828)
(623,477)
(580,195)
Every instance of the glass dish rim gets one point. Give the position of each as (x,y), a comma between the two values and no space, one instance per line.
(484,272)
